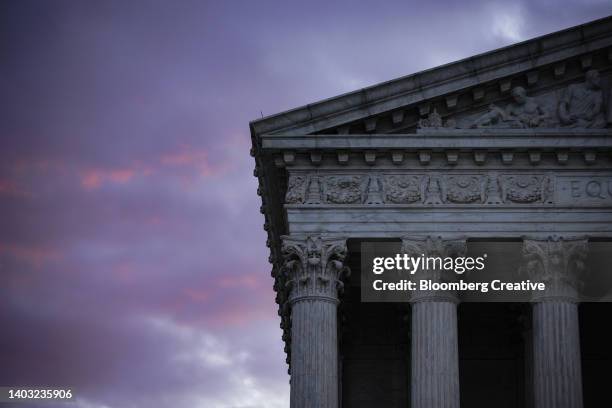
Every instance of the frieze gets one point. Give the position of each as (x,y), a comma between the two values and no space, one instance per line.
(584,190)
(464,188)
(437,188)
(404,188)
(525,188)
(343,189)
(296,189)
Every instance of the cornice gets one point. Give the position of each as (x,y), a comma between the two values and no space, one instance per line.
(525,58)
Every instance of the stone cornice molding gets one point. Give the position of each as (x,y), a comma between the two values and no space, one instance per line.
(451,147)
(444,139)
(558,262)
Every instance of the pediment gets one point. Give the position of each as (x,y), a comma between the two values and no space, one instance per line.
(479,91)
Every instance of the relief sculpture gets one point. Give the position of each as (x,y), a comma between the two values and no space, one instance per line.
(403,189)
(579,105)
(525,189)
(464,189)
(523,112)
(434,189)
(582,104)
(296,189)
(343,189)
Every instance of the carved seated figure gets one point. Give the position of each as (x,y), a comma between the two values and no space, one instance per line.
(582,104)
(524,112)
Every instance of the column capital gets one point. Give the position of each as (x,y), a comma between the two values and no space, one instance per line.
(314,267)
(439,247)
(429,245)
(558,262)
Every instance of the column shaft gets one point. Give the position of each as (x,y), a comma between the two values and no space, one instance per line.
(556,354)
(314,354)
(435,355)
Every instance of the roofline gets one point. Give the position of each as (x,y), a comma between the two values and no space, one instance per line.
(473,66)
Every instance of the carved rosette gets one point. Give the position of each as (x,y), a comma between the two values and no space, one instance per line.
(434,247)
(344,189)
(403,188)
(525,188)
(558,263)
(464,189)
(314,267)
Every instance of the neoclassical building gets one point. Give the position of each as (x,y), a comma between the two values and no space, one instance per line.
(512,146)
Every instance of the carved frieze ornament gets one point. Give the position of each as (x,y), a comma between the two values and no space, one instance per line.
(526,188)
(313,193)
(433,193)
(422,189)
(464,188)
(404,188)
(435,121)
(343,189)
(374,193)
(314,267)
(557,262)
(493,190)
(296,189)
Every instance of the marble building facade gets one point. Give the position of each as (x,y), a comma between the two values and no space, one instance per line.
(514,145)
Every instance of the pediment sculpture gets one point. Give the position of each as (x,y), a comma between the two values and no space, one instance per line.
(523,112)
(580,105)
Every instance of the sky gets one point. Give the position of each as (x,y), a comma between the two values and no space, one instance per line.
(133,264)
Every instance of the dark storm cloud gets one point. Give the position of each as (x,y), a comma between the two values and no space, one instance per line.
(132,258)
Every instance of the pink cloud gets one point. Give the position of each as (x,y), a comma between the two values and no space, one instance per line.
(197,295)
(9,187)
(189,157)
(250,281)
(32,255)
(94,178)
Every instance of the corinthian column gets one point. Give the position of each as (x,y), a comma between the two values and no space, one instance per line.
(435,354)
(314,268)
(556,337)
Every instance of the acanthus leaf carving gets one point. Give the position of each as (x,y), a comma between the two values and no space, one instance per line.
(314,267)
(438,247)
(558,263)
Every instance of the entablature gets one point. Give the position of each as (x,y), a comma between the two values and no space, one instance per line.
(478,144)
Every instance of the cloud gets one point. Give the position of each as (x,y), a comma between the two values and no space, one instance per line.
(508,22)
